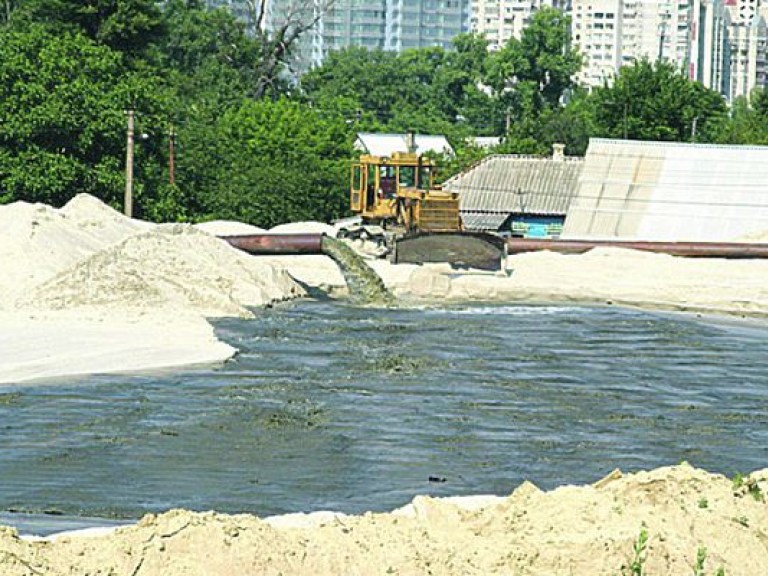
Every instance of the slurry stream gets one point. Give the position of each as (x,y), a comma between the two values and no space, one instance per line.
(335,407)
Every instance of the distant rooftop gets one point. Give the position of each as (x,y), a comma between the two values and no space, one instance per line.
(387,144)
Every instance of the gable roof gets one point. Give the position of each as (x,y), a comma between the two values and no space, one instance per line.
(387,144)
(506,183)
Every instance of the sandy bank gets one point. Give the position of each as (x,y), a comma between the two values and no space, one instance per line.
(601,276)
(87,290)
(584,530)
(139,294)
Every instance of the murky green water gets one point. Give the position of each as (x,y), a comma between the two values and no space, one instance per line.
(335,407)
(365,286)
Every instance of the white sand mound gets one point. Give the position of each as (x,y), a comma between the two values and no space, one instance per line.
(106,224)
(579,531)
(37,241)
(605,275)
(85,289)
(172,266)
(228,228)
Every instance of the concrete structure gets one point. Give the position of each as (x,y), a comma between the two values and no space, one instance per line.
(709,59)
(668,192)
(394,25)
(597,32)
(375,24)
(517,195)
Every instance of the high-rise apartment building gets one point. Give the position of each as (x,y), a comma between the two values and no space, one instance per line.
(612,33)
(394,25)
(709,46)
(597,31)
(748,43)
(500,20)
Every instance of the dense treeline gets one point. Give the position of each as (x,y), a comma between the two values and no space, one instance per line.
(253,145)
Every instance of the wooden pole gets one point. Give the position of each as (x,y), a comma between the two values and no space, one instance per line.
(128,206)
(171,157)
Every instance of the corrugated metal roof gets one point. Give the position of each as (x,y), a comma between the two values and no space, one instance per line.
(521,184)
(483,220)
(666,191)
(387,144)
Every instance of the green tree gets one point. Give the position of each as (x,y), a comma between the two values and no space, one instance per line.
(428,90)
(538,69)
(532,76)
(458,91)
(748,122)
(268,162)
(125,25)
(655,101)
(62,121)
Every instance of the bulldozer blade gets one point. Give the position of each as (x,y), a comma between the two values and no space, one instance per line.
(459,249)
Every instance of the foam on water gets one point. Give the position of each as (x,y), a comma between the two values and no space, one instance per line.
(506,310)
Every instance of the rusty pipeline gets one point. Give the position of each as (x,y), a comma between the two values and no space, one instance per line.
(687,249)
(276,244)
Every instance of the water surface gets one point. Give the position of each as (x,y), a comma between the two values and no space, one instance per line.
(335,407)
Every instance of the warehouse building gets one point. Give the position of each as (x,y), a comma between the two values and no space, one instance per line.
(666,192)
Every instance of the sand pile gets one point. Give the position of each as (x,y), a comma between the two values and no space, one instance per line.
(228,228)
(172,267)
(37,241)
(304,228)
(692,519)
(85,289)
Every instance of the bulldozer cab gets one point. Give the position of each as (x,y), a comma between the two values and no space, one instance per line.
(378,181)
(400,190)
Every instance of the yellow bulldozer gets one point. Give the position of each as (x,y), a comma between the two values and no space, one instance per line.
(400,191)
(399,204)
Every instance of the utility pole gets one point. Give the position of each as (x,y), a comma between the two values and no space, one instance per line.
(171,156)
(625,120)
(128,203)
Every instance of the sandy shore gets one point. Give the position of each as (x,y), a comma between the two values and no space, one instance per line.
(137,296)
(86,290)
(672,521)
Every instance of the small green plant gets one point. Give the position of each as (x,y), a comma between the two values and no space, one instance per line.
(746,485)
(701,557)
(743,520)
(639,550)
(703,503)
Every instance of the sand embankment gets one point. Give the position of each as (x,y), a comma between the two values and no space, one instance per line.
(86,290)
(601,276)
(693,520)
(138,295)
